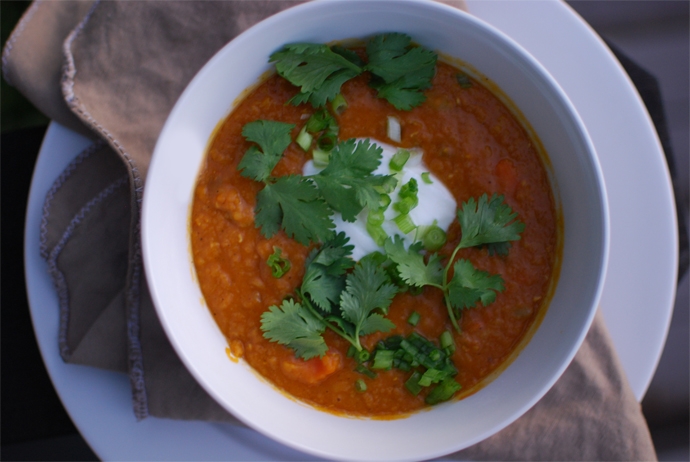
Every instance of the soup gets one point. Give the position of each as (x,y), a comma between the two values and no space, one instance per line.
(254,273)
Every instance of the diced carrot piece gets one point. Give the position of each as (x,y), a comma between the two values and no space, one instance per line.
(314,370)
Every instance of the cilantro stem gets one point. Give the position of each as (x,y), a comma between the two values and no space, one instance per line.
(354,341)
(449,307)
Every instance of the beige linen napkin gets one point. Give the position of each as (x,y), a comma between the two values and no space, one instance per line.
(114,70)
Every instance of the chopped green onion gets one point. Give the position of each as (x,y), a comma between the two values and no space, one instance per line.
(377,233)
(434,238)
(408,197)
(464,80)
(393,342)
(363,356)
(406,204)
(412,384)
(426,178)
(394,129)
(360,386)
(389,184)
(409,189)
(321,158)
(385,201)
(321,120)
(351,352)
(432,376)
(279,265)
(399,160)
(339,104)
(364,371)
(304,139)
(375,217)
(443,392)
(402,365)
(409,347)
(413,319)
(447,342)
(326,142)
(383,359)
(405,223)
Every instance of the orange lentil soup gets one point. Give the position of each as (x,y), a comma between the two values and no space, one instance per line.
(473,143)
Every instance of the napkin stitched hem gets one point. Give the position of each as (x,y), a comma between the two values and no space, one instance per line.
(134,277)
(13,38)
(43,237)
(57,276)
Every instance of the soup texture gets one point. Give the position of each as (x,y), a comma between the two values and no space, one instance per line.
(253,277)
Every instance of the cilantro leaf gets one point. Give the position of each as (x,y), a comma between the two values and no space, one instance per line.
(296,327)
(316,69)
(273,139)
(470,285)
(499,248)
(348,54)
(347,183)
(335,255)
(324,289)
(294,204)
(401,72)
(489,221)
(375,323)
(411,266)
(367,289)
(323,280)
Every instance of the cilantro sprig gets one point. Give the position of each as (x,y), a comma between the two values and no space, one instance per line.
(488,222)
(316,69)
(303,205)
(273,139)
(400,71)
(350,303)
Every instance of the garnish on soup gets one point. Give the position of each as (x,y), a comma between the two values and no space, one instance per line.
(328,239)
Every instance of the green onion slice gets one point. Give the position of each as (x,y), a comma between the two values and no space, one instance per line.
(399,160)
(412,384)
(304,139)
(443,392)
(321,158)
(447,342)
(383,359)
(322,120)
(279,265)
(339,104)
(404,223)
(364,371)
(434,238)
(377,233)
(464,80)
(326,142)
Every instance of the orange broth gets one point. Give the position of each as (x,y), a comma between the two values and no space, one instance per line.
(474,144)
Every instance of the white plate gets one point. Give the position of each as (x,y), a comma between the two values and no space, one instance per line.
(638,295)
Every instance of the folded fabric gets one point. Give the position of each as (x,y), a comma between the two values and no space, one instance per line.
(114,70)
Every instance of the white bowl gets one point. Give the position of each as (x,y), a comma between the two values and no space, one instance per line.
(578,188)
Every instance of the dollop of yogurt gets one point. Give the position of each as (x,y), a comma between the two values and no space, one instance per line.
(436,204)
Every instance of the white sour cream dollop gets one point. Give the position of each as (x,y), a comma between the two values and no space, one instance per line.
(436,203)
